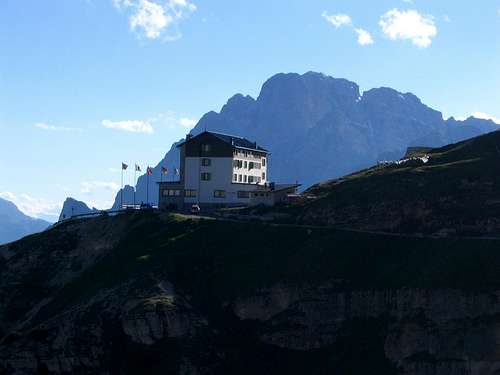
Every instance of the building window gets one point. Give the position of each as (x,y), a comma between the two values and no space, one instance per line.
(206,176)
(171,193)
(263,175)
(245,179)
(235,177)
(189,193)
(243,194)
(251,179)
(206,162)
(219,194)
(205,148)
(263,162)
(245,164)
(240,178)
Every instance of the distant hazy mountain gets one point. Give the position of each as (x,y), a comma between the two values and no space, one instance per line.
(318,127)
(73,207)
(15,225)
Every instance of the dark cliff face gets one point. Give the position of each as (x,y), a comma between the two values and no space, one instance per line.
(318,127)
(161,294)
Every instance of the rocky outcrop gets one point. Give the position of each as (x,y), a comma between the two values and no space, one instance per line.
(73,207)
(154,318)
(425,331)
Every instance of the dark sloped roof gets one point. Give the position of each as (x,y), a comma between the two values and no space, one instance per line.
(233,140)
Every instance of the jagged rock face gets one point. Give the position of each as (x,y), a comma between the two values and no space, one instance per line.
(162,315)
(318,127)
(426,332)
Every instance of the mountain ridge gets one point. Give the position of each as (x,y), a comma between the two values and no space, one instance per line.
(14,224)
(295,116)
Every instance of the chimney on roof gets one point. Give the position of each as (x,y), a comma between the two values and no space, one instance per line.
(232,141)
(255,145)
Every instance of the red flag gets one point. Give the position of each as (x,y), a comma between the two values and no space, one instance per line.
(150,171)
(164,170)
(124,166)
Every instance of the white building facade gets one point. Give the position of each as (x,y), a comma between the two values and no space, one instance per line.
(220,170)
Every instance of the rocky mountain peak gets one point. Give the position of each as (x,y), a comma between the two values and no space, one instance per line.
(73,207)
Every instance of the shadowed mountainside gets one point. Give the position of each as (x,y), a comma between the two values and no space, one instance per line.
(457,192)
(162,294)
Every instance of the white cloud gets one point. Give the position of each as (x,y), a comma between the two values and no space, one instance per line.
(151,18)
(45,126)
(134,126)
(337,20)
(91,186)
(31,206)
(173,120)
(446,18)
(409,25)
(187,122)
(364,37)
(485,116)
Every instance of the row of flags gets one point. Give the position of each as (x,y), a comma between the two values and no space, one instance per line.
(149,170)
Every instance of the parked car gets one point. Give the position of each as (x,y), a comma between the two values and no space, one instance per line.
(195,209)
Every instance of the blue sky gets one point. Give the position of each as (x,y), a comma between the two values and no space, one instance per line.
(85,84)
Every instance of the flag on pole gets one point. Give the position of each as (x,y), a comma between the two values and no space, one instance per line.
(150,171)
(137,168)
(124,166)
(164,170)
(176,171)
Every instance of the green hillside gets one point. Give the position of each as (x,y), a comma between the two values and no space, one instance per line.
(456,192)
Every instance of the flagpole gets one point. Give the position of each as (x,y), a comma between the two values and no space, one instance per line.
(147,194)
(135,180)
(121,191)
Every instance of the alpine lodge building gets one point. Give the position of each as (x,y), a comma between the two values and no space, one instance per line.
(220,170)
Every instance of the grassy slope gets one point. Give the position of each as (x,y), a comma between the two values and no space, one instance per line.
(459,186)
(215,261)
